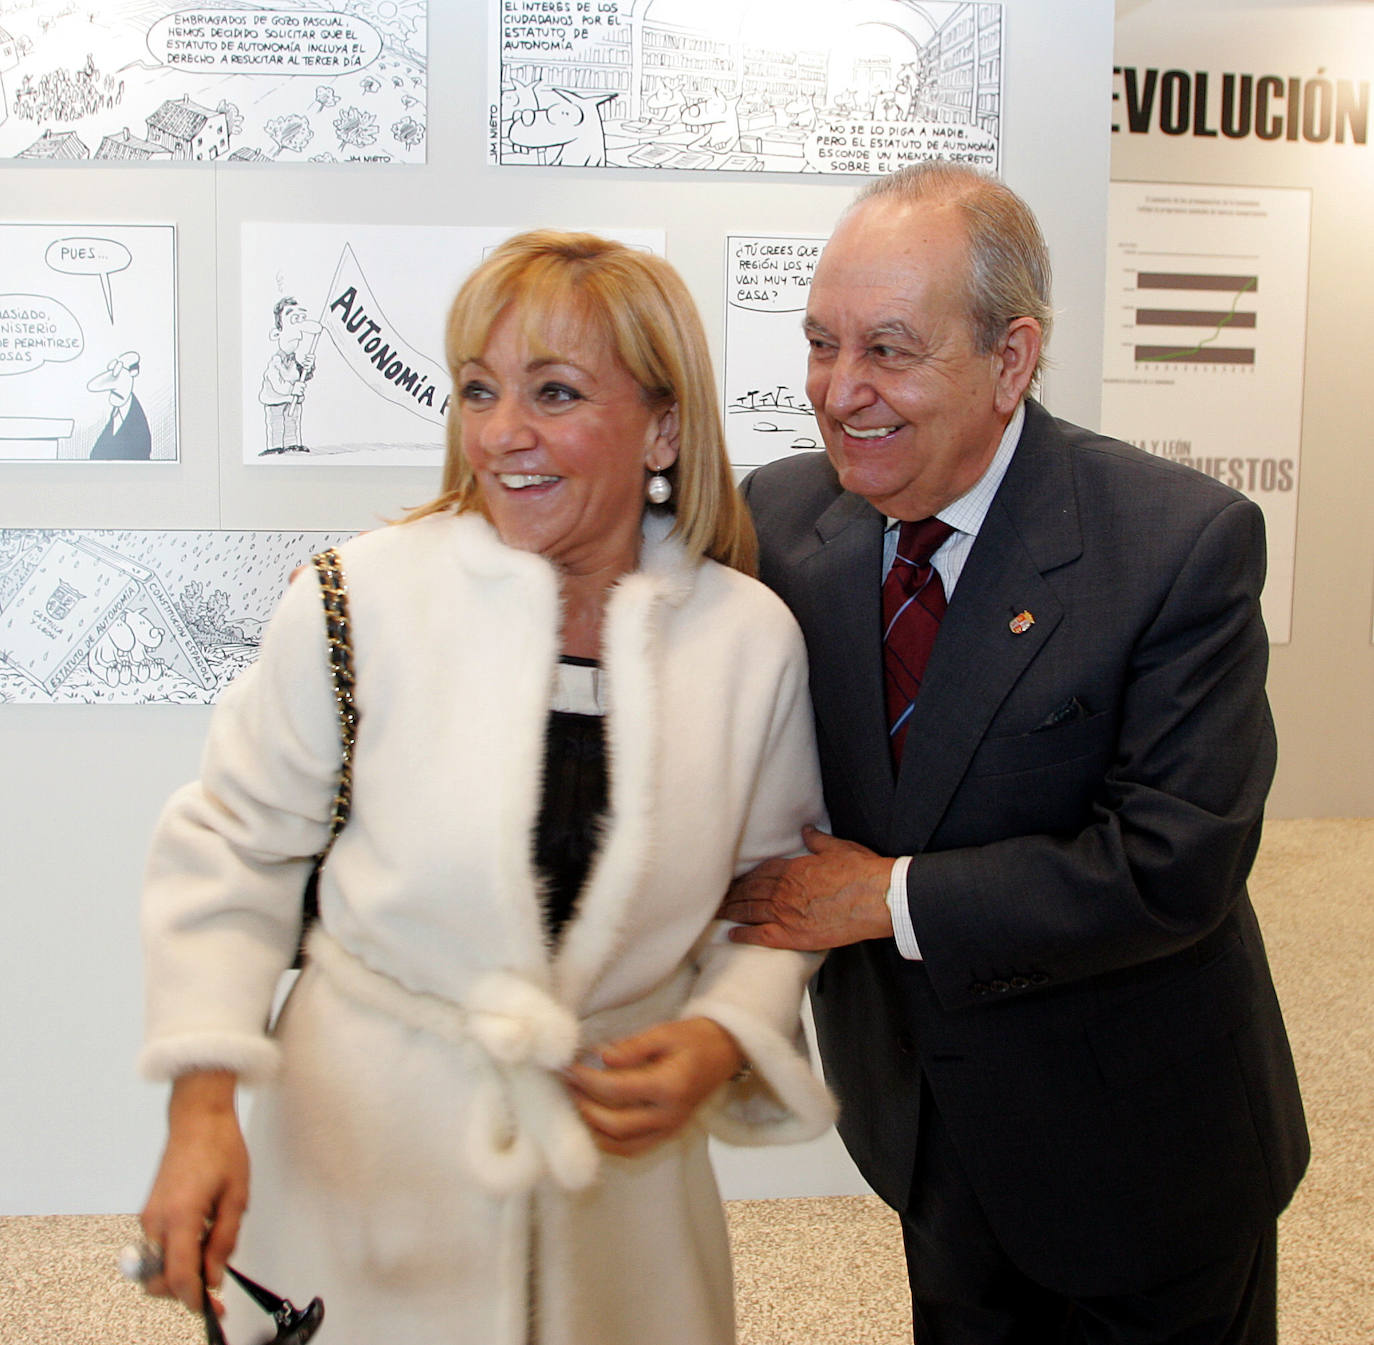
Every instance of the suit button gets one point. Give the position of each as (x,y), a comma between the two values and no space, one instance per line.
(1001,987)
(1020,983)
(906,1043)
(978,989)
(1039,978)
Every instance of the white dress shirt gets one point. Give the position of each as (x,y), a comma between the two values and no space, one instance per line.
(965,515)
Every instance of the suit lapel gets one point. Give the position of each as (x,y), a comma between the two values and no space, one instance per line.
(838,601)
(1031,527)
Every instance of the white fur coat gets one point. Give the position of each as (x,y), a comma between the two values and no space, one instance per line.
(411,1122)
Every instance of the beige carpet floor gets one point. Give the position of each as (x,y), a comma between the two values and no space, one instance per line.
(829,1272)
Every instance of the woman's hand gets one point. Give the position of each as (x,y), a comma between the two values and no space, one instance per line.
(651,1083)
(201,1188)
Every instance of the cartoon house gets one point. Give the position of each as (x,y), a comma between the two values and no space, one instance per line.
(126,146)
(56,145)
(189,130)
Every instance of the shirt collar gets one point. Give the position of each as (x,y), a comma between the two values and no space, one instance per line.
(966,514)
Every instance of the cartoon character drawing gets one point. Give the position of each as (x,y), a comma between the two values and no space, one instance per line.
(288,371)
(517,96)
(664,102)
(717,118)
(124,653)
(126,436)
(571,126)
(801,112)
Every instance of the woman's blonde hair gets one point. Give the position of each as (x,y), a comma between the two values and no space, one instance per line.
(560,283)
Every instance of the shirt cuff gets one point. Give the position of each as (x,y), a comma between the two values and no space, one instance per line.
(901,910)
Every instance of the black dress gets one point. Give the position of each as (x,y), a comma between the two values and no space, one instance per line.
(568,832)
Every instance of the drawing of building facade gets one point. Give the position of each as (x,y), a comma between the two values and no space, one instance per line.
(188,130)
(966,56)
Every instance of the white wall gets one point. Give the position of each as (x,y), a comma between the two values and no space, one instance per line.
(81,785)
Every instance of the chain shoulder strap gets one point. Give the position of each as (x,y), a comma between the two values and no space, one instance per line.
(334,592)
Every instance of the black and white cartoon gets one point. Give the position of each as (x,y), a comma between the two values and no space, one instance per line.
(288,371)
(127,81)
(124,654)
(88,348)
(717,120)
(568,128)
(118,617)
(767,412)
(779,86)
(125,436)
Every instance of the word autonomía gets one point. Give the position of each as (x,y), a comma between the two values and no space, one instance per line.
(1268,107)
(393,366)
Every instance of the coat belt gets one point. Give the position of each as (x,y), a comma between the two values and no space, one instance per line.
(522,1124)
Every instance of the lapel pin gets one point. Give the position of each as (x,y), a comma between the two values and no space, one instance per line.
(1021,623)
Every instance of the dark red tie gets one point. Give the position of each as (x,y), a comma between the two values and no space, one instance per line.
(913,603)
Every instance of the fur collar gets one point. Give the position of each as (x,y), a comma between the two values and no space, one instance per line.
(638,610)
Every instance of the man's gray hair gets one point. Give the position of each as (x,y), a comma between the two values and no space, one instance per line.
(1009,264)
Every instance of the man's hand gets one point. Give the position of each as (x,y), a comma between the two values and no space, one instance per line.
(835,895)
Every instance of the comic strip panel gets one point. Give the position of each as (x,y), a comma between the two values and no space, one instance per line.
(88,344)
(343,338)
(762,86)
(767,413)
(138,618)
(138,81)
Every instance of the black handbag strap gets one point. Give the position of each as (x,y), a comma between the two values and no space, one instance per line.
(334,593)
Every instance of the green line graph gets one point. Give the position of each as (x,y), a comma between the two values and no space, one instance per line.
(1204,351)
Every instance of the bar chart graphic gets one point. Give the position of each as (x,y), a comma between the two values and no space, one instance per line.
(1205,325)
(1223,319)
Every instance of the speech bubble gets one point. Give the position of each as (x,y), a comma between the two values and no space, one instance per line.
(874,148)
(771,275)
(35,329)
(265,41)
(90,257)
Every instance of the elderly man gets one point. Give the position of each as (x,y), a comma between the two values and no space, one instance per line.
(1046,747)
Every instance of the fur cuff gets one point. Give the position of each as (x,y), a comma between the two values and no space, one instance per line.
(251,1056)
(780,1101)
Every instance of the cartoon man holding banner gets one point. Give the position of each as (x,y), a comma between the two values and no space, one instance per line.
(288,371)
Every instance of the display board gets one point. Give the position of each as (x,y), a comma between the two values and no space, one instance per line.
(753,86)
(767,413)
(1206,325)
(138,618)
(131,82)
(88,343)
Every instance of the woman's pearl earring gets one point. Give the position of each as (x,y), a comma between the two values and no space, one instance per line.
(659,489)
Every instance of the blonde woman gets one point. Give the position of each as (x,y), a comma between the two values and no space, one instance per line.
(482,1115)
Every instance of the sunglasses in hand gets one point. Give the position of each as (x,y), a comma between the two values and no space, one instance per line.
(294,1326)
